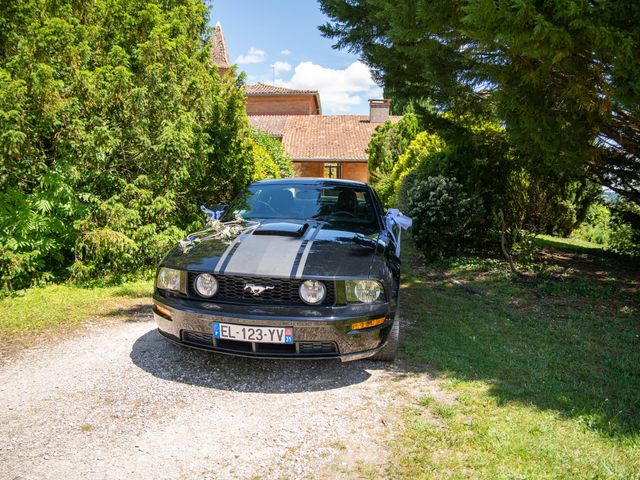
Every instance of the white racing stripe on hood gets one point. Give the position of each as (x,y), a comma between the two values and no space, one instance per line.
(268,255)
(307,249)
(230,248)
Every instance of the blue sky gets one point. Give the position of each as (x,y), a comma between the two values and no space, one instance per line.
(282,35)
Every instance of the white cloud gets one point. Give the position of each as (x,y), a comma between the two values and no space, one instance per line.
(281,67)
(340,90)
(254,55)
(285,52)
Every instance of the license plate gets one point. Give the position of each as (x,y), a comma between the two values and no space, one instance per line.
(245,333)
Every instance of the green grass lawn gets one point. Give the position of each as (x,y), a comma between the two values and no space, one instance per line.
(570,245)
(47,310)
(541,375)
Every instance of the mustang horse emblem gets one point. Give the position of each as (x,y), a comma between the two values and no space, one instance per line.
(256,290)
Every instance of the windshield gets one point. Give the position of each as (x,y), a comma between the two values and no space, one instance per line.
(346,204)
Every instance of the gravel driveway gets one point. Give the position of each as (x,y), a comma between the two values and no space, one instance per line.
(117,401)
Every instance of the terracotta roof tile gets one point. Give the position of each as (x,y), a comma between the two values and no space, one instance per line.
(328,137)
(262,89)
(271,124)
(219,52)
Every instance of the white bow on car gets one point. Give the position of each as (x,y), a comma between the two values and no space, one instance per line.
(396,217)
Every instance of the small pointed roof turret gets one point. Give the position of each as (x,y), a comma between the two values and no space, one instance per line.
(219,52)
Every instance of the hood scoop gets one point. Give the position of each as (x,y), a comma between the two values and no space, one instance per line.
(282,229)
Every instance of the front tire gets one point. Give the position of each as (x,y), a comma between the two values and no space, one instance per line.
(390,350)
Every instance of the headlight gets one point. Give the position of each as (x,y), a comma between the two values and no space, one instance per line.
(365,291)
(312,291)
(171,279)
(206,285)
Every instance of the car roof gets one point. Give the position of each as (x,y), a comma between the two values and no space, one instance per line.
(310,181)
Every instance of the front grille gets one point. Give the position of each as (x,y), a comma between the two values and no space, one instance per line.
(317,347)
(231,289)
(298,349)
(197,338)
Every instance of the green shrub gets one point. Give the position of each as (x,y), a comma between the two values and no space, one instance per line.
(624,240)
(625,229)
(114,128)
(419,150)
(596,226)
(103,250)
(36,231)
(406,186)
(444,216)
(269,158)
(129,231)
(389,141)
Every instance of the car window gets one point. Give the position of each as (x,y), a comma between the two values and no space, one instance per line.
(338,204)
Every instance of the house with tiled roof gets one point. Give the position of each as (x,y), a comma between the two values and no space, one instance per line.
(271,124)
(333,146)
(263,99)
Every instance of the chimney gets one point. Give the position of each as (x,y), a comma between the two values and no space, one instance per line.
(379,110)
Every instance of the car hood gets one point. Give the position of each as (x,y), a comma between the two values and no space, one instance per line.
(285,250)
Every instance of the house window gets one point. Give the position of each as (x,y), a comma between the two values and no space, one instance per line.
(332,170)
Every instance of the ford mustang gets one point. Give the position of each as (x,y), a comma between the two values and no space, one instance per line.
(293,268)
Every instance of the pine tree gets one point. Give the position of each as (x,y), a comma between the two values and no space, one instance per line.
(563,76)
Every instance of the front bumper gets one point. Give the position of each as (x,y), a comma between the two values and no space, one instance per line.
(319,333)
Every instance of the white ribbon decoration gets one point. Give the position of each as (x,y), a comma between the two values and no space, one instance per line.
(216,229)
(396,217)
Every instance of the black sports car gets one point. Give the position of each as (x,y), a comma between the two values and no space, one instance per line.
(295,268)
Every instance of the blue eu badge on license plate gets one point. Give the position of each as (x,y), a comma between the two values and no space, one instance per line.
(288,335)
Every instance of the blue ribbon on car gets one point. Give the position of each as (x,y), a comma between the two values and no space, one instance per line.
(393,218)
(212,214)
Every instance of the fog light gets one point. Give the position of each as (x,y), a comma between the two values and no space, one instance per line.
(206,285)
(368,324)
(312,292)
